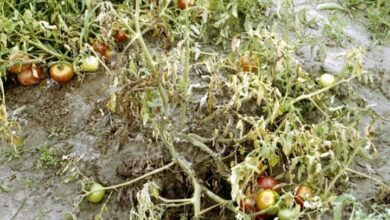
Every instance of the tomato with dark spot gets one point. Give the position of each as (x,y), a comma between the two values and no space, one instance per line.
(31,76)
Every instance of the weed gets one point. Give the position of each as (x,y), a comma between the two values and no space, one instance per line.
(47,157)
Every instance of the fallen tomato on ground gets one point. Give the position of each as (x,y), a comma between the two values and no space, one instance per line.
(100,47)
(97,193)
(288,214)
(31,76)
(89,64)
(61,72)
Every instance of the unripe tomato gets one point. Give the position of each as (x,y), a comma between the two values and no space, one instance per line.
(326,80)
(266,199)
(249,63)
(303,193)
(288,214)
(31,76)
(61,72)
(89,64)
(248,204)
(18,68)
(120,36)
(266,182)
(183,4)
(97,193)
(99,47)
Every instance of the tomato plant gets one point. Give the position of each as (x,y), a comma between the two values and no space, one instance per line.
(61,72)
(266,182)
(97,193)
(89,64)
(302,193)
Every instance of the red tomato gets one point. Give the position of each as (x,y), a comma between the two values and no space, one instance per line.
(62,72)
(120,36)
(183,4)
(303,193)
(267,182)
(100,47)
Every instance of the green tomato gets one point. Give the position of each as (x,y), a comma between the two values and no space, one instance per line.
(288,214)
(327,80)
(89,64)
(97,193)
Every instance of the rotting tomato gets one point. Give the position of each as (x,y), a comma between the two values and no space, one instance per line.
(89,64)
(61,72)
(31,76)
(326,80)
(183,4)
(249,63)
(303,193)
(17,67)
(120,36)
(97,193)
(248,204)
(266,199)
(266,182)
(100,47)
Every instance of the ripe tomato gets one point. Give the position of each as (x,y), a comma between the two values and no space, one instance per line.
(266,182)
(31,76)
(120,36)
(89,64)
(266,199)
(61,72)
(183,4)
(326,80)
(16,58)
(107,56)
(97,193)
(248,204)
(302,193)
(99,47)
(249,63)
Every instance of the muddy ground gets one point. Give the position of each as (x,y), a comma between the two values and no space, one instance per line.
(73,121)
